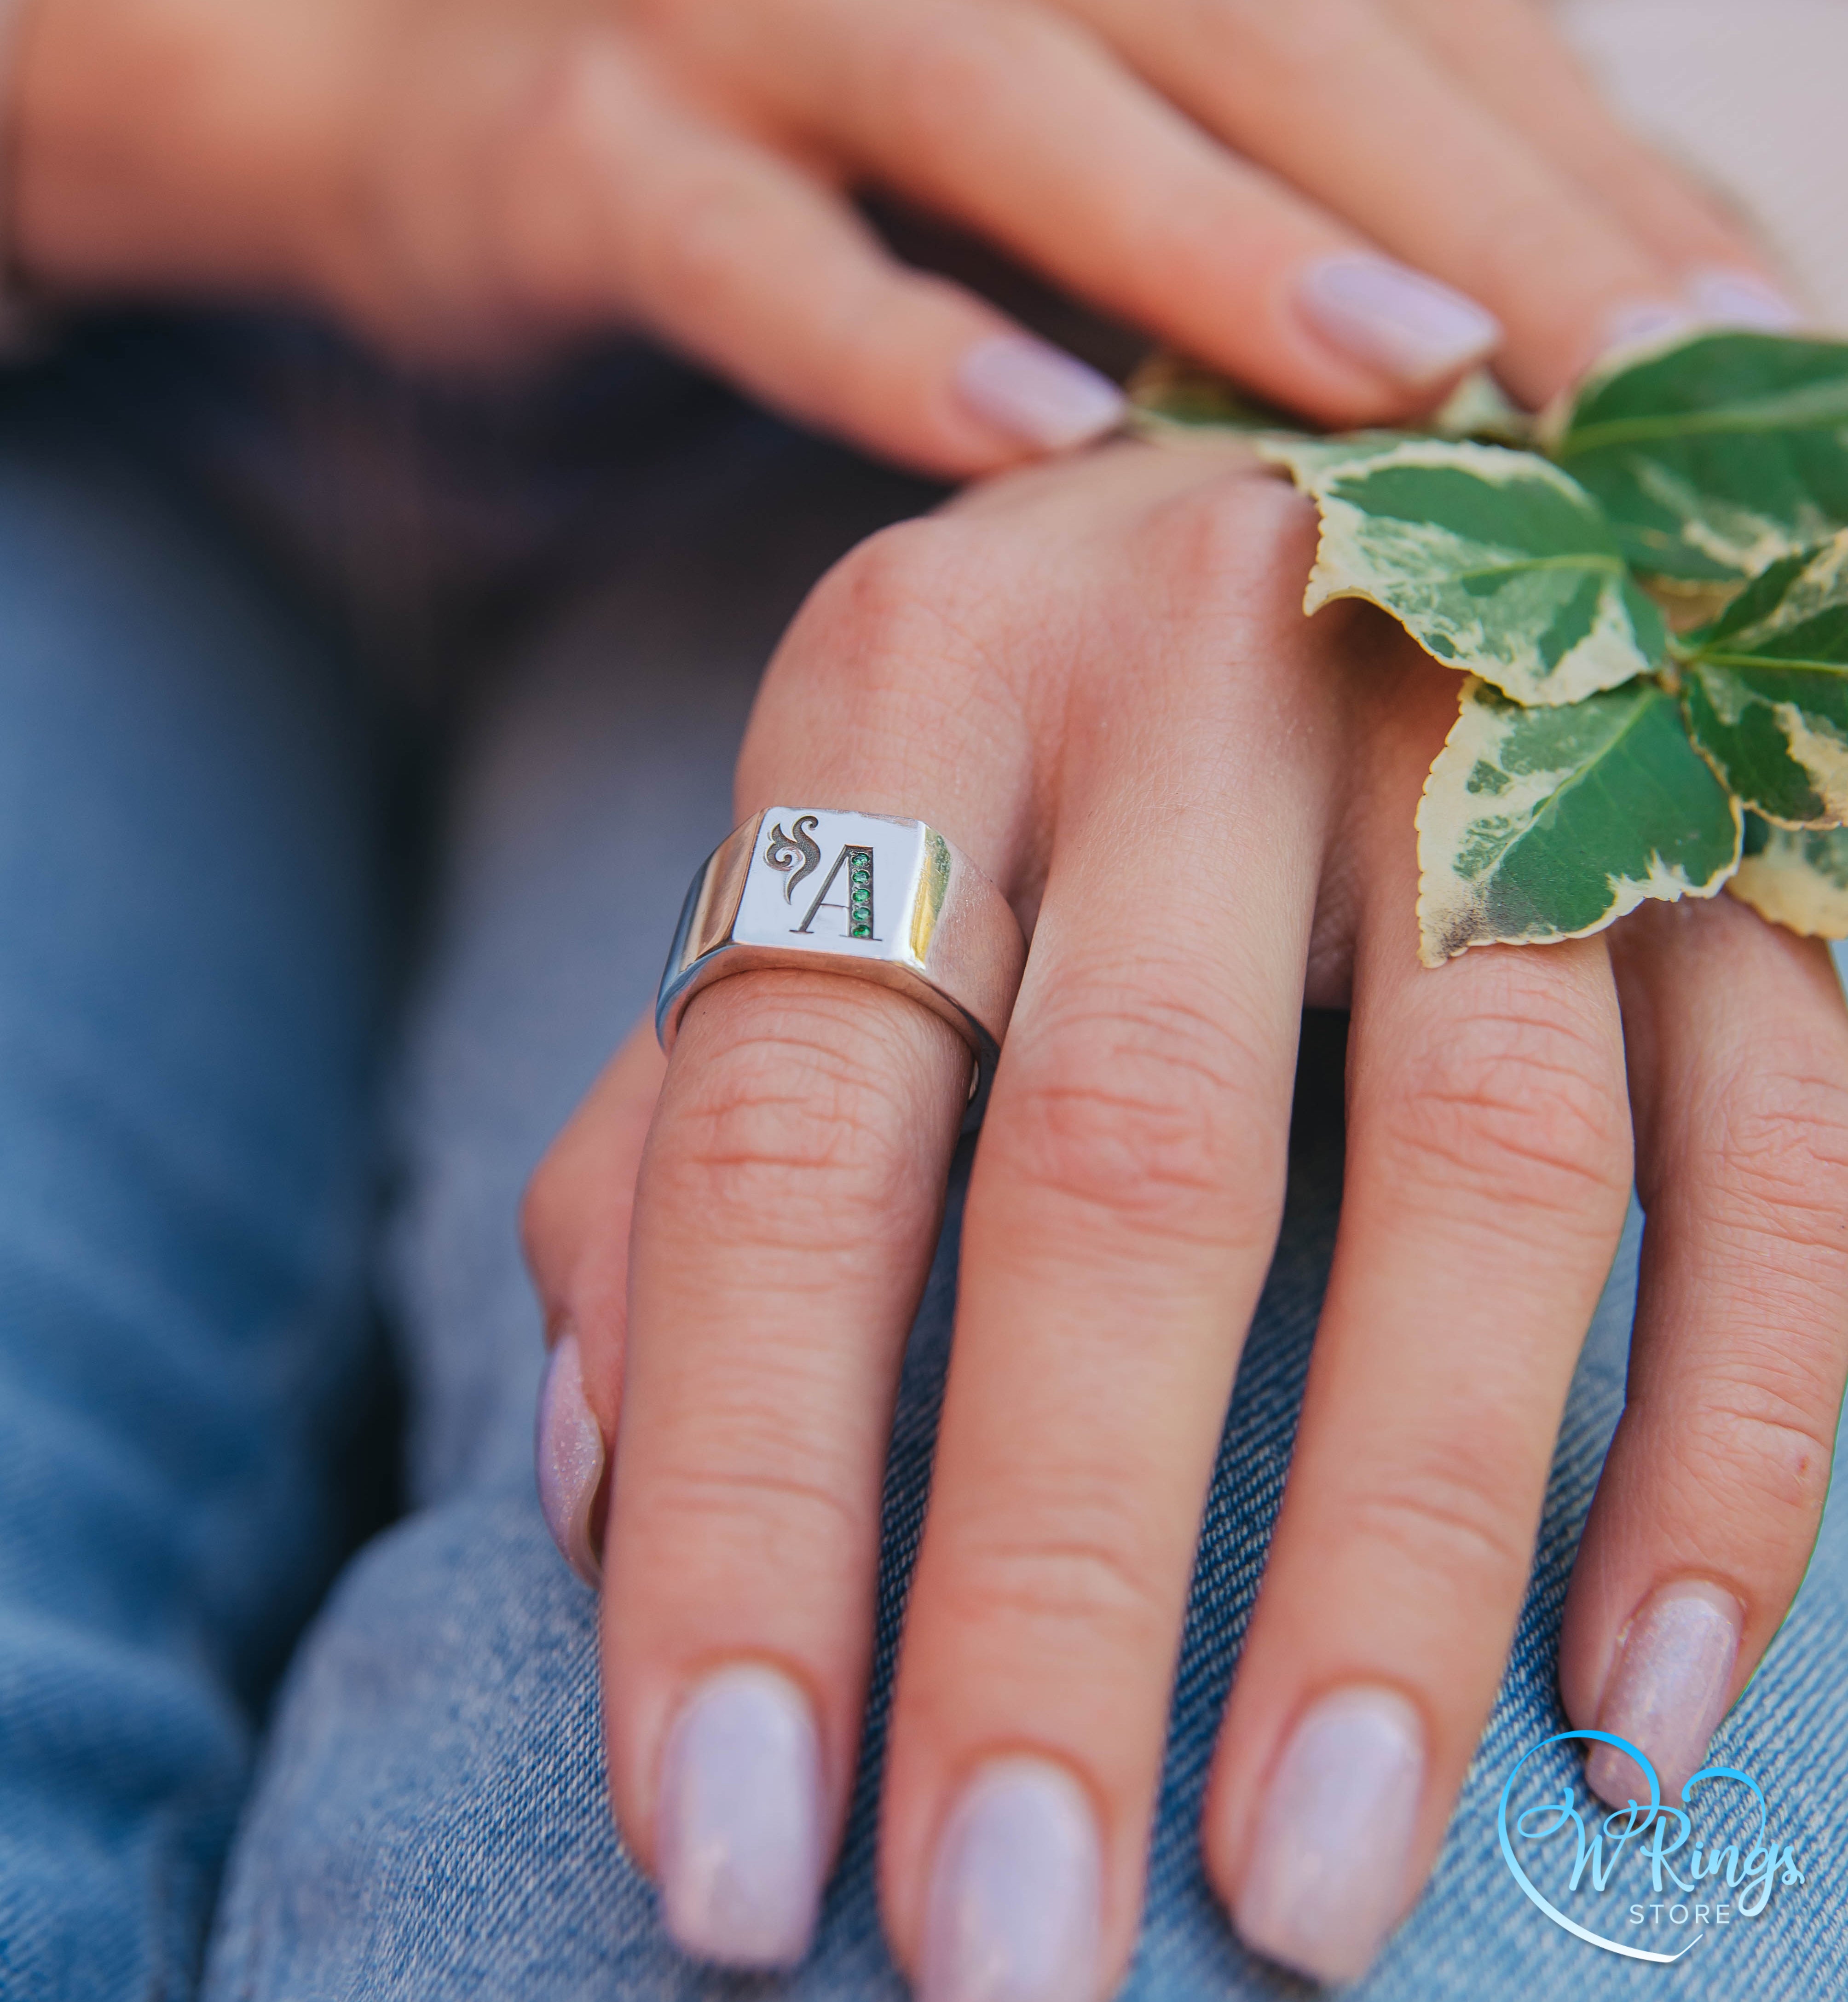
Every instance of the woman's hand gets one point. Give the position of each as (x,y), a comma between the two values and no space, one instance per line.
(1264,185)
(1097,681)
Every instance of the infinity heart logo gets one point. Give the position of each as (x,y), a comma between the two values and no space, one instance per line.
(1698,1881)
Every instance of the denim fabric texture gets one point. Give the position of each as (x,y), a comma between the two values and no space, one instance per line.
(189,1003)
(195,817)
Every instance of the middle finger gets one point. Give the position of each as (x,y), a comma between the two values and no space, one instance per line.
(1120,1221)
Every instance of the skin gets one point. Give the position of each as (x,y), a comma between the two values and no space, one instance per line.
(1080,675)
(472,180)
(1097,681)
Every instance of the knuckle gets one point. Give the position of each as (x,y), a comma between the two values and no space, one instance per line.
(897,591)
(1767,1445)
(1781,1147)
(1232,544)
(1073,1581)
(907,639)
(1139,1105)
(793,1133)
(1517,1102)
(756,1511)
(1454,1518)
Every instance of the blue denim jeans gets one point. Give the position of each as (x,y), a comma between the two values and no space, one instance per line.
(242,1167)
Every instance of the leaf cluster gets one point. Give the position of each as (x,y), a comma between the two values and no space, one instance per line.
(1646,593)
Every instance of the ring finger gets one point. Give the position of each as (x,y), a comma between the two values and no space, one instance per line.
(787,1205)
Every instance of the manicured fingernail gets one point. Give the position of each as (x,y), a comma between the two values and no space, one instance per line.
(1327,1873)
(1641,320)
(1388,317)
(1667,1691)
(1741,299)
(1037,394)
(1014,1896)
(738,1842)
(568,1452)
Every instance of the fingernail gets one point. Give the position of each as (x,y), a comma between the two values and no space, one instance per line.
(1388,317)
(739,1836)
(1037,392)
(568,1453)
(1014,1896)
(1640,320)
(1668,1691)
(1327,1873)
(1741,299)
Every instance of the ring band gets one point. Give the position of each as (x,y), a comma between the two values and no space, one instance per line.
(865,894)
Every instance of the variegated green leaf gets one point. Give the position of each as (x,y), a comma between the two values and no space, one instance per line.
(1493,560)
(1767,685)
(1540,823)
(1477,408)
(1176,401)
(1714,454)
(1796,877)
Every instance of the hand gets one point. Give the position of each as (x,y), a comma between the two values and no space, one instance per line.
(1097,681)
(480,177)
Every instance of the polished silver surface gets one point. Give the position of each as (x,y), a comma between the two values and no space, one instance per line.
(873,897)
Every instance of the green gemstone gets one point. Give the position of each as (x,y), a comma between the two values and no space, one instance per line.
(862,931)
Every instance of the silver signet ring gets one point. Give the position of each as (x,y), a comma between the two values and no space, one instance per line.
(866,894)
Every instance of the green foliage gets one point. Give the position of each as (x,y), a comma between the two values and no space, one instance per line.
(1491,559)
(1797,876)
(1767,689)
(1599,757)
(1548,823)
(1716,455)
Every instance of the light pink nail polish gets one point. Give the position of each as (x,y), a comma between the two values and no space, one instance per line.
(1644,320)
(1742,299)
(568,1454)
(1332,1849)
(1037,394)
(739,1841)
(1666,1691)
(1388,317)
(1015,1891)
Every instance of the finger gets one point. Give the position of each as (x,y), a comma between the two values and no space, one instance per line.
(742,259)
(574,1227)
(1119,1220)
(789,1204)
(1510,55)
(1332,96)
(1018,123)
(1712,1492)
(1487,1179)
(790,1200)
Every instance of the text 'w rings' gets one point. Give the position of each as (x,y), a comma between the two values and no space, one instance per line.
(878,898)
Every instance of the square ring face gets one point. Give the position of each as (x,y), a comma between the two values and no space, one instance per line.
(839,883)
